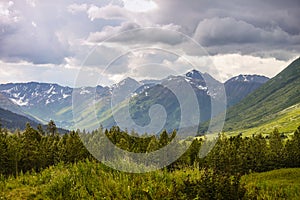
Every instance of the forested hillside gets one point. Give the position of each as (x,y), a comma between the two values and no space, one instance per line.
(14,121)
(59,166)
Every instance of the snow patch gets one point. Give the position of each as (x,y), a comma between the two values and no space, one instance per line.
(134,94)
(245,78)
(49,101)
(187,80)
(50,90)
(200,87)
(66,96)
(84,91)
(16,95)
(19,102)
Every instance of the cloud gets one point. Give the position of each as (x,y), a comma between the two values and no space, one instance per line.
(270,24)
(76,8)
(109,31)
(63,33)
(139,5)
(222,31)
(108,12)
(230,65)
(26,72)
(101,56)
(222,27)
(259,13)
(39,44)
(132,33)
(132,10)
(7,14)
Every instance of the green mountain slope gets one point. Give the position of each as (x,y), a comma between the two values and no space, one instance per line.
(277,94)
(13,121)
(140,105)
(286,121)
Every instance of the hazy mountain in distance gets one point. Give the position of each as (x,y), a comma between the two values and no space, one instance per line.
(14,121)
(238,87)
(45,101)
(160,94)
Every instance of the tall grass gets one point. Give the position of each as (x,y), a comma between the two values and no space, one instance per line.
(276,184)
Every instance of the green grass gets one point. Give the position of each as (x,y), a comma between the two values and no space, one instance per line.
(90,180)
(286,121)
(64,110)
(276,184)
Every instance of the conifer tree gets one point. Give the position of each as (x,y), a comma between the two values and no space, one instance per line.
(51,127)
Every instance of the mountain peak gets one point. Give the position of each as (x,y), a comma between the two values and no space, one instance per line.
(194,74)
(249,78)
(128,81)
(126,84)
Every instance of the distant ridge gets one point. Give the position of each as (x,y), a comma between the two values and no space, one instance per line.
(46,101)
(14,121)
(238,87)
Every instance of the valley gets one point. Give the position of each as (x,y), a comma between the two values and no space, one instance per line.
(255,157)
(43,102)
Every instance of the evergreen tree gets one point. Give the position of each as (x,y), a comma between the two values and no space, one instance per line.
(51,127)
(40,129)
(276,150)
(163,138)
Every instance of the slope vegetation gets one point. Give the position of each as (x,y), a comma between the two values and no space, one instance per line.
(277,94)
(13,121)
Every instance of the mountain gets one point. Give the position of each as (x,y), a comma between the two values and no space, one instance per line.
(44,101)
(41,101)
(14,121)
(285,121)
(161,94)
(7,104)
(259,107)
(238,87)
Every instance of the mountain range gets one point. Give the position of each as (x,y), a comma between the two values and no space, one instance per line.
(251,99)
(44,101)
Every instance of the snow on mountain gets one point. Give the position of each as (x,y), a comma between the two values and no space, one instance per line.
(249,78)
(46,101)
(240,86)
(194,74)
(33,93)
(19,102)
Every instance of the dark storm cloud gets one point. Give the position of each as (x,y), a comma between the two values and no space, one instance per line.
(237,26)
(285,14)
(222,31)
(49,31)
(228,35)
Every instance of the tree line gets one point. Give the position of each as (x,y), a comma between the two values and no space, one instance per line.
(36,149)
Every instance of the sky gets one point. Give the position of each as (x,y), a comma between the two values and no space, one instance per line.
(89,42)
